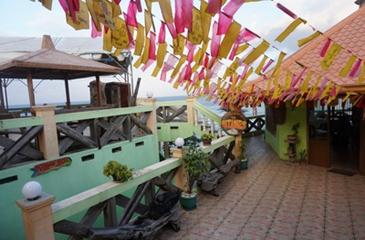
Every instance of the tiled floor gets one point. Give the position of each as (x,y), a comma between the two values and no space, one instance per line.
(278,200)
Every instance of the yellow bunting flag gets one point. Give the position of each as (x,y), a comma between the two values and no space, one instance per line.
(309,38)
(279,62)
(107,41)
(178,66)
(347,68)
(242,48)
(315,88)
(331,54)
(117,52)
(179,44)
(166,10)
(120,34)
(116,11)
(244,80)
(305,85)
(361,78)
(229,38)
(292,26)
(139,40)
(81,20)
(232,68)
(195,36)
(94,17)
(326,90)
(261,65)
(161,53)
(257,52)
(148,21)
(144,57)
(206,19)
(48,4)
(288,79)
(103,10)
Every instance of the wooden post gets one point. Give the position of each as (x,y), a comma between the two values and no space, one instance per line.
(98,92)
(152,118)
(48,141)
(181,176)
(67,89)
(37,218)
(190,101)
(2,105)
(30,90)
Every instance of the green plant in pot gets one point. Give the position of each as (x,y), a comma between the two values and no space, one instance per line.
(243,158)
(207,138)
(195,162)
(119,172)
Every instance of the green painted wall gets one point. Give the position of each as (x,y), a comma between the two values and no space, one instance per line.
(168,132)
(278,141)
(70,180)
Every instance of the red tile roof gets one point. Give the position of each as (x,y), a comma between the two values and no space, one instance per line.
(349,33)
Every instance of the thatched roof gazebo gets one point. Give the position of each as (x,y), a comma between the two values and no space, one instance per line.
(49,63)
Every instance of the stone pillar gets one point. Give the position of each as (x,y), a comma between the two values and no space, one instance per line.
(37,218)
(48,141)
(190,101)
(181,177)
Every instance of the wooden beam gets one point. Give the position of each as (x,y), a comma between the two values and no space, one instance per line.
(72,133)
(27,151)
(177,113)
(30,90)
(123,201)
(67,142)
(140,124)
(98,91)
(110,213)
(68,100)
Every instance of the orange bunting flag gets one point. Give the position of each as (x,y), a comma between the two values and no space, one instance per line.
(330,56)
(139,40)
(292,26)
(306,40)
(257,52)
(195,36)
(229,39)
(347,68)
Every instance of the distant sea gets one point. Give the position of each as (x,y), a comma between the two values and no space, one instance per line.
(216,108)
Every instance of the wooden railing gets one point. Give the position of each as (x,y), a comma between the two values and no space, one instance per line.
(255,125)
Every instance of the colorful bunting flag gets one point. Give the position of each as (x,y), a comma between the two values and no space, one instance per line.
(330,56)
(309,38)
(348,66)
(290,29)
(257,52)
(229,39)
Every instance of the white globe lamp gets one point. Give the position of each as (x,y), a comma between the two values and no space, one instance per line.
(149,94)
(32,190)
(179,142)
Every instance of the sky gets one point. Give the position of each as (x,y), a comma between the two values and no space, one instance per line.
(25,18)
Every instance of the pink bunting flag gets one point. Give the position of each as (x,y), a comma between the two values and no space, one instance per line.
(267,65)
(183,14)
(206,60)
(201,74)
(355,70)
(117,1)
(132,14)
(94,32)
(168,65)
(214,6)
(321,88)
(172,30)
(333,92)
(286,10)
(246,35)
(130,37)
(162,33)
(152,48)
(147,65)
(325,47)
(224,22)
(233,51)
(139,5)
(188,72)
(64,5)
(216,39)
(297,80)
(232,7)
(191,49)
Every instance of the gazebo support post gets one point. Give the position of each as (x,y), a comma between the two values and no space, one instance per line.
(2,105)
(30,90)
(68,100)
(98,93)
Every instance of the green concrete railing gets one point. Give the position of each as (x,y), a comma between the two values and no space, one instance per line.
(20,122)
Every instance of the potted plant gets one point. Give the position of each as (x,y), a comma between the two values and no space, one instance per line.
(243,158)
(119,172)
(195,162)
(207,138)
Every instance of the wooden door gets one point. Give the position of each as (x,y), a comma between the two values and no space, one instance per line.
(318,140)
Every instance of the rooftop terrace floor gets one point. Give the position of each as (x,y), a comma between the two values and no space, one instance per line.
(274,199)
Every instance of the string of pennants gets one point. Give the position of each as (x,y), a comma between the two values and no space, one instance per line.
(203,41)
